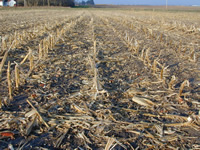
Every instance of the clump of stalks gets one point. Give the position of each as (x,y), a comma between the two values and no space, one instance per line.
(129,42)
(145,58)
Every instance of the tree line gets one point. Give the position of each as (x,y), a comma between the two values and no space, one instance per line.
(87,2)
(45,2)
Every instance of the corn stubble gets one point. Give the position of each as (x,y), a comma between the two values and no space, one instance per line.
(103,79)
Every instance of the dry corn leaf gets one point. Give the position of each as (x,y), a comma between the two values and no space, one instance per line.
(77,108)
(31,125)
(143,101)
(30,113)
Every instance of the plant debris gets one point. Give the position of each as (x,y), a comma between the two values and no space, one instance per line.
(99,79)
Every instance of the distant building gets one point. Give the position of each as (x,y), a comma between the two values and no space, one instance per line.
(10,3)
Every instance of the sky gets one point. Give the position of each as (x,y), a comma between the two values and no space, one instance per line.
(148,2)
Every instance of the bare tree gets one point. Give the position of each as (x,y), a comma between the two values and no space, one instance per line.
(35,2)
(25,3)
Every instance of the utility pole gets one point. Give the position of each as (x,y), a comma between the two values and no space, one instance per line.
(166,4)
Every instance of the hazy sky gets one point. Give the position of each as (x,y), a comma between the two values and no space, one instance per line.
(149,2)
